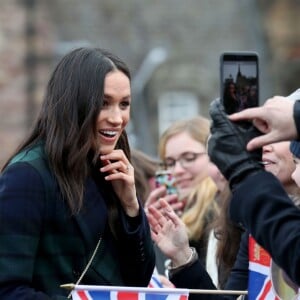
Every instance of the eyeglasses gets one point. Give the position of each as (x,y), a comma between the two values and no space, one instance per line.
(186,160)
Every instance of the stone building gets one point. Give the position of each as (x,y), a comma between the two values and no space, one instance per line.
(172,47)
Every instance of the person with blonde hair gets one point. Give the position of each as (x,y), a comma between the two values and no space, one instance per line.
(182,149)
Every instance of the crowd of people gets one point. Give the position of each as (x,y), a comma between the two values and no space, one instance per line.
(266,211)
(277,160)
(78,205)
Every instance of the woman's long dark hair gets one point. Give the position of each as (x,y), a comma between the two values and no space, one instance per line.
(228,235)
(66,122)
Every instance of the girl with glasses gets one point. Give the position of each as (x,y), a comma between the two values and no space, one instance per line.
(182,150)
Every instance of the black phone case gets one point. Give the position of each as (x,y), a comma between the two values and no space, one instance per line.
(239,80)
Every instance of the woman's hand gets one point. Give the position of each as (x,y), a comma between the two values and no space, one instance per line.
(169,233)
(166,283)
(161,192)
(121,174)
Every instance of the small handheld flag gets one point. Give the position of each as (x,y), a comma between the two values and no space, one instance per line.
(86,292)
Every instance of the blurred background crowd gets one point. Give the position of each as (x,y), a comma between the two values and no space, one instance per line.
(171,46)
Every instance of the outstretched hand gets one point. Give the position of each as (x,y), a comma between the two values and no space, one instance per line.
(172,199)
(169,232)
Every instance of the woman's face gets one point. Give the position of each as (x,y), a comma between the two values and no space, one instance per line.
(278,160)
(217,176)
(187,159)
(115,112)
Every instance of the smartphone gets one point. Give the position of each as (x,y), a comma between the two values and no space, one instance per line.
(165,177)
(239,80)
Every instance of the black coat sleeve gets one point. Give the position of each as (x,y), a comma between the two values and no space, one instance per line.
(261,205)
(196,277)
(136,250)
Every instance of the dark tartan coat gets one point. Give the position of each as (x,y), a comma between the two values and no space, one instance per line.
(42,246)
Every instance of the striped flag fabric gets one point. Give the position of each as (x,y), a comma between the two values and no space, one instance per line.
(155,282)
(266,280)
(87,292)
(260,283)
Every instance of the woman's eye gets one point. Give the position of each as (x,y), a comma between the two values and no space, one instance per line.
(189,158)
(169,163)
(105,103)
(125,104)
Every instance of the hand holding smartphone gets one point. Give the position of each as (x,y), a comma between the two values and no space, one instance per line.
(165,177)
(239,80)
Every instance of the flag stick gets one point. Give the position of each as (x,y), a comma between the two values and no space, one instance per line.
(218,292)
(71,286)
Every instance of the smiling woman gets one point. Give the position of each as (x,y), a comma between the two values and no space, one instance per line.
(115,112)
(278,160)
(67,196)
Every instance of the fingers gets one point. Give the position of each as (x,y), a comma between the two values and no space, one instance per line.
(248,114)
(261,141)
(165,205)
(156,221)
(171,199)
(177,207)
(154,196)
(153,223)
(150,218)
(257,143)
(153,215)
(258,117)
(118,170)
(116,165)
(261,125)
(169,212)
(153,227)
(162,215)
(159,217)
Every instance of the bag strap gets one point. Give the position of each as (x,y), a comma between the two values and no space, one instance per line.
(87,266)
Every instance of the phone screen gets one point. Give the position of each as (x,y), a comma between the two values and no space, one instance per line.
(165,177)
(239,80)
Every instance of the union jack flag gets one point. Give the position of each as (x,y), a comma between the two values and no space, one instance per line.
(155,281)
(83,292)
(266,280)
(260,284)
